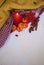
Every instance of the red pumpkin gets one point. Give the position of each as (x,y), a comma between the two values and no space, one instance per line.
(17,17)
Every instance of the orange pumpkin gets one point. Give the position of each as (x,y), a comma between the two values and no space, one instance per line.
(25,25)
(20,25)
(13,27)
(18,29)
(24,20)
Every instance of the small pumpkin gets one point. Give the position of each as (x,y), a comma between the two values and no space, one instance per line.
(13,27)
(24,20)
(18,29)
(25,25)
(20,25)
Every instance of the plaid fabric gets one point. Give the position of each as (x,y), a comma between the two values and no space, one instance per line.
(5,31)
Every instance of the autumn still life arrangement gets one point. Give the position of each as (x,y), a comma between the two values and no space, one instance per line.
(18,18)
